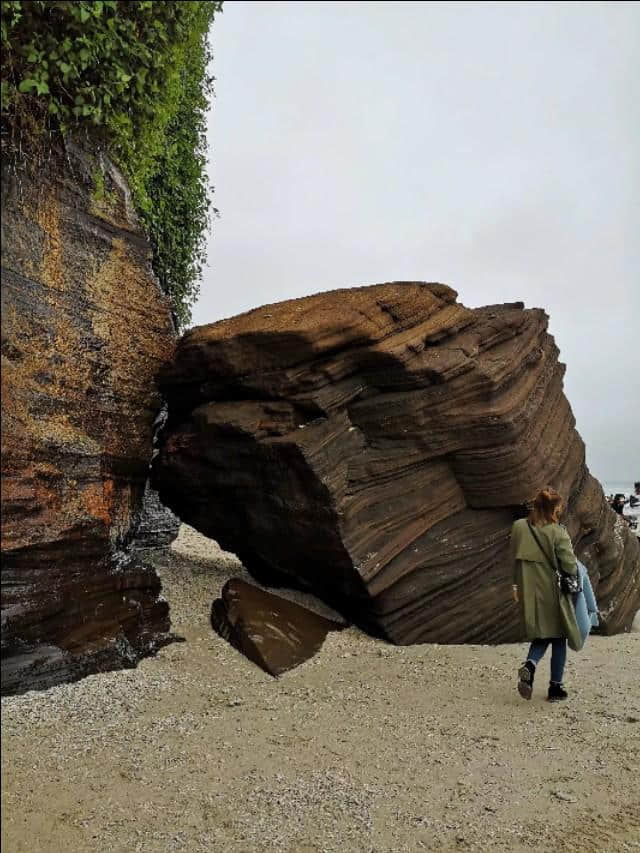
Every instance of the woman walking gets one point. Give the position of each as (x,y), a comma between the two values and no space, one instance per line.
(548,614)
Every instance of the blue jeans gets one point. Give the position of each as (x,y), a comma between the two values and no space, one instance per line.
(558,655)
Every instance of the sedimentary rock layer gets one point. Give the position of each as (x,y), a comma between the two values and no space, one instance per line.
(274,633)
(158,526)
(85,329)
(375,445)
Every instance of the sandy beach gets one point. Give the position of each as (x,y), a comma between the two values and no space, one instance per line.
(366,747)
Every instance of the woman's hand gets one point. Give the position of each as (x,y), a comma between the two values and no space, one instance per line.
(514,593)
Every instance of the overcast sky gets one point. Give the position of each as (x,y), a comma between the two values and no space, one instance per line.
(491,146)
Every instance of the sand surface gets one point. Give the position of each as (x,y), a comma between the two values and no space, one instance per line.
(366,747)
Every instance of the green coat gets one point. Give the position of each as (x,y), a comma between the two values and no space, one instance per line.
(545,612)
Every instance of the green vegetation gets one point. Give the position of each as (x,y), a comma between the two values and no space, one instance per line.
(133,75)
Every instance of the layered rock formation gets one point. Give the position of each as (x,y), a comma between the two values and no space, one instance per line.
(274,633)
(85,329)
(374,445)
(158,526)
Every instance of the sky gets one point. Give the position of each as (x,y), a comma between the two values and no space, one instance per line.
(494,147)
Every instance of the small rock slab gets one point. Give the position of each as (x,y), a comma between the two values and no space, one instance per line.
(566,798)
(273,632)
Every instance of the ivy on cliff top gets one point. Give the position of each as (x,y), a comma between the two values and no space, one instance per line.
(133,75)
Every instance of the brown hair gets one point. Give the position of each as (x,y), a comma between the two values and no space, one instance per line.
(546,507)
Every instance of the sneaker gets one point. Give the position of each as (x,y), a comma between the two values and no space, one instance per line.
(525,679)
(556,691)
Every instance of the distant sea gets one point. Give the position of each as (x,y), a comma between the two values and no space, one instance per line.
(614,487)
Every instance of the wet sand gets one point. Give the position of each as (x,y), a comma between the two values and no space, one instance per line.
(365,747)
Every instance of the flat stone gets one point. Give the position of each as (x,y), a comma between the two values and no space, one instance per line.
(566,798)
(273,632)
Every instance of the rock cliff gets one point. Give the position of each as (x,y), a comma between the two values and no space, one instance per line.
(85,330)
(374,445)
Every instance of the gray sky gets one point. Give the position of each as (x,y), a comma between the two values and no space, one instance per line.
(491,146)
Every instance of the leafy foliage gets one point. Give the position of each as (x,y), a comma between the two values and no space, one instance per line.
(134,74)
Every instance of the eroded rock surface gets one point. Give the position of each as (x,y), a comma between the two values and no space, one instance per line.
(374,445)
(158,526)
(274,633)
(85,330)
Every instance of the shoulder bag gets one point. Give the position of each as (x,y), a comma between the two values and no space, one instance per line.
(569,584)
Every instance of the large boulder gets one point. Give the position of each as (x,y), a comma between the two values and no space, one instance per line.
(85,329)
(374,445)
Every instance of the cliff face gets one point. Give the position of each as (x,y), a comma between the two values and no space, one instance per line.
(375,445)
(85,330)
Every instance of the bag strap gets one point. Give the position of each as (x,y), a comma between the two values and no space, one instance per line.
(552,562)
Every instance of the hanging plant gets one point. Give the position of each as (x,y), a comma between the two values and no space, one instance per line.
(134,76)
